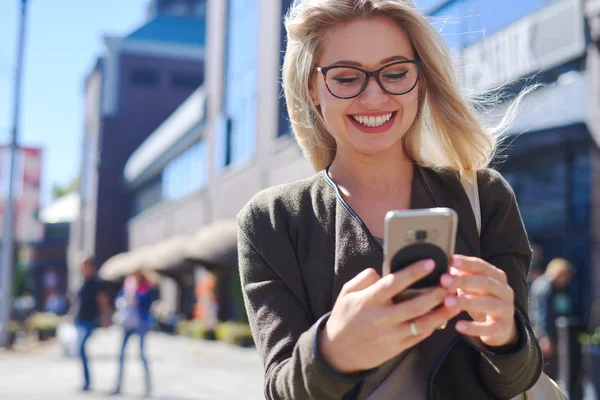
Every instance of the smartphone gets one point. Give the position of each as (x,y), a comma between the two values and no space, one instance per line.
(414,235)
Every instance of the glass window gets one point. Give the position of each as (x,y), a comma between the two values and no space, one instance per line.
(147,196)
(144,77)
(554,197)
(186,80)
(284,120)
(542,194)
(464,22)
(186,174)
(241,80)
(429,5)
(581,196)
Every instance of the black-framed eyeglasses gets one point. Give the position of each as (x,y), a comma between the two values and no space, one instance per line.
(347,82)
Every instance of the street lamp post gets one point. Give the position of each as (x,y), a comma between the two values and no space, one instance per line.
(7,238)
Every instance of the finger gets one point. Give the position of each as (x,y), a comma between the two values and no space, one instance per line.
(417,306)
(477,266)
(428,323)
(365,279)
(390,285)
(479,304)
(487,328)
(478,284)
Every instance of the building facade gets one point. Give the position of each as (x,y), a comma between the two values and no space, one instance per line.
(246,145)
(548,156)
(139,81)
(592,10)
(228,140)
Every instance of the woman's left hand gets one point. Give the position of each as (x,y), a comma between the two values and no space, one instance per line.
(482,290)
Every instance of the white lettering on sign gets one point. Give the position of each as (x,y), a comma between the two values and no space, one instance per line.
(500,58)
(544,39)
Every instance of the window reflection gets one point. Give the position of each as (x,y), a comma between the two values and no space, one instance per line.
(465,22)
(181,177)
(241,80)
(185,174)
(554,199)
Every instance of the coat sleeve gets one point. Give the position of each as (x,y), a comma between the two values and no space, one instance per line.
(504,244)
(281,323)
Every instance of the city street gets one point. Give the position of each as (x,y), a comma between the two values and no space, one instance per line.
(182,369)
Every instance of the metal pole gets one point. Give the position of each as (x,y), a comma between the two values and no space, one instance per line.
(7,238)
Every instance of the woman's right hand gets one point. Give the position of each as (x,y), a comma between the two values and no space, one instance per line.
(366,328)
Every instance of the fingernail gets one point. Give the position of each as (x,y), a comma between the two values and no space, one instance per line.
(447,280)
(457,261)
(450,302)
(461,326)
(428,265)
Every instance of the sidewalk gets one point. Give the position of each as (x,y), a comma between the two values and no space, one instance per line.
(182,369)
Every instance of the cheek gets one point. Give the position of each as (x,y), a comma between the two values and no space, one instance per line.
(412,100)
(333,109)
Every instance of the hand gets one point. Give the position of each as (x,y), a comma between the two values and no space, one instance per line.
(367,321)
(547,346)
(483,291)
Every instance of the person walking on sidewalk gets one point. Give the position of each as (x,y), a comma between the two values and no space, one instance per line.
(375,104)
(550,299)
(91,310)
(133,314)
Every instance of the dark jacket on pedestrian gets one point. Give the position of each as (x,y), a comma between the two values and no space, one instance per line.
(300,243)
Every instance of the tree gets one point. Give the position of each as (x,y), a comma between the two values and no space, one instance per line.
(60,191)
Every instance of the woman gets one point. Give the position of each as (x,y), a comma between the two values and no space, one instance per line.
(375,105)
(133,314)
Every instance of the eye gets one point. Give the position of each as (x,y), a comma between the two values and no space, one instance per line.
(346,81)
(396,76)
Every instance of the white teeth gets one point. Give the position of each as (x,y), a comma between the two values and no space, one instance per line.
(372,121)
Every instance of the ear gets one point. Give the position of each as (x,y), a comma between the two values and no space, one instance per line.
(313,91)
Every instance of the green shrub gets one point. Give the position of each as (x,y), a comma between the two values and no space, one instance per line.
(590,338)
(43,321)
(237,333)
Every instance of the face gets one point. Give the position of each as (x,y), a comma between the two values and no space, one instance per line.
(374,122)
(562,280)
(88,270)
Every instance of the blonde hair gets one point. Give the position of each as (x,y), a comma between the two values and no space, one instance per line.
(558,266)
(448,132)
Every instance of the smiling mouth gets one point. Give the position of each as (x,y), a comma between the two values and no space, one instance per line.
(371,121)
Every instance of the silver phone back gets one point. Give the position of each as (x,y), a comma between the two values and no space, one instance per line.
(431,225)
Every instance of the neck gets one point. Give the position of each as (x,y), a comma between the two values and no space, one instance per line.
(374,175)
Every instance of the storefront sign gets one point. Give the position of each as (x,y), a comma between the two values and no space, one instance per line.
(540,41)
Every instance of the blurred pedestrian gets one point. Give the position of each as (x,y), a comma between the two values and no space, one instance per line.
(91,310)
(534,274)
(376,106)
(133,314)
(550,299)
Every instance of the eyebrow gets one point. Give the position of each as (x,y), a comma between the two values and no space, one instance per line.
(384,61)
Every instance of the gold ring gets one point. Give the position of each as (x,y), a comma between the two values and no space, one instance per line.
(413,329)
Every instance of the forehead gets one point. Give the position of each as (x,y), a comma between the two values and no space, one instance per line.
(367,41)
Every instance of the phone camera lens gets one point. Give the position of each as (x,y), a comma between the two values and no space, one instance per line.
(421,235)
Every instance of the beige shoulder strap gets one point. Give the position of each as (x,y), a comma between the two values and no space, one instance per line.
(468,178)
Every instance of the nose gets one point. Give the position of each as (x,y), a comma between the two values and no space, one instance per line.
(373,95)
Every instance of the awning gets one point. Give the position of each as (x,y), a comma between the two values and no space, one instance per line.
(123,264)
(213,246)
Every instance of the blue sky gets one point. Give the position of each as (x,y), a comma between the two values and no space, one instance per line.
(63,39)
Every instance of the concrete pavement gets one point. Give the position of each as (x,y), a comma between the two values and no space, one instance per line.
(182,369)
